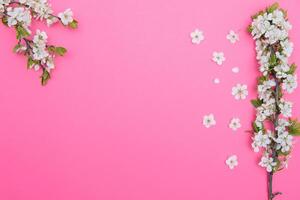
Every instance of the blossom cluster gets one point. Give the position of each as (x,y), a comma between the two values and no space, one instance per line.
(273,127)
(19,14)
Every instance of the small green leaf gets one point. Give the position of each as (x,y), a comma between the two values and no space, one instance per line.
(293,68)
(255,128)
(60,51)
(4,21)
(273,7)
(73,24)
(256,102)
(250,29)
(262,79)
(21,32)
(257,14)
(277,166)
(51,49)
(273,60)
(31,63)
(279,152)
(45,77)
(57,50)
(294,127)
(280,93)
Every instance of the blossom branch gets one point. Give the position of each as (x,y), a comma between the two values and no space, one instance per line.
(270,31)
(19,15)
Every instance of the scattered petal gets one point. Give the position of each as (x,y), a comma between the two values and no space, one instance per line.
(235,70)
(216,81)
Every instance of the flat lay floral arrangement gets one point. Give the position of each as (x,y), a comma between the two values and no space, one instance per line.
(274,127)
(19,14)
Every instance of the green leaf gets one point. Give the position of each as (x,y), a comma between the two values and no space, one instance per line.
(255,128)
(279,152)
(256,102)
(31,63)
(73,24)
(262,79)
(51,49)
(273,60)
(60,51)
(57,50)
(293,68)
(294,127)
(4,21)
(21,32)
(280,93)
(250,29)
(277,166)
(272,8)
(45,77)
(257,14)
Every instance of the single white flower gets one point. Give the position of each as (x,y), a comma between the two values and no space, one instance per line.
(218,57)
(40,38)
(235,124)
(267,162)
(232,162)
(197,36)
(255,147)
(239,91)
(49,63)
(66,17)
(290,83)
(235,70)
(209,120)
(287,47)
(286,108)
(39,53)
(284,141)
(232,37)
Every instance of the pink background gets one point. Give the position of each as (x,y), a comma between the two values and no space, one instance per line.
(122,117)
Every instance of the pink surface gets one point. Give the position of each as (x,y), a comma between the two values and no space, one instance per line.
(122,117)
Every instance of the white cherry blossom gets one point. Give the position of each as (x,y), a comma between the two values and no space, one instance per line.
(197,36)
(290,83)
(235,124)
(66,17)
(232,37)
(284,141)
(209,121)
(268,163)
(232,162)
(218,57)
(240,91)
